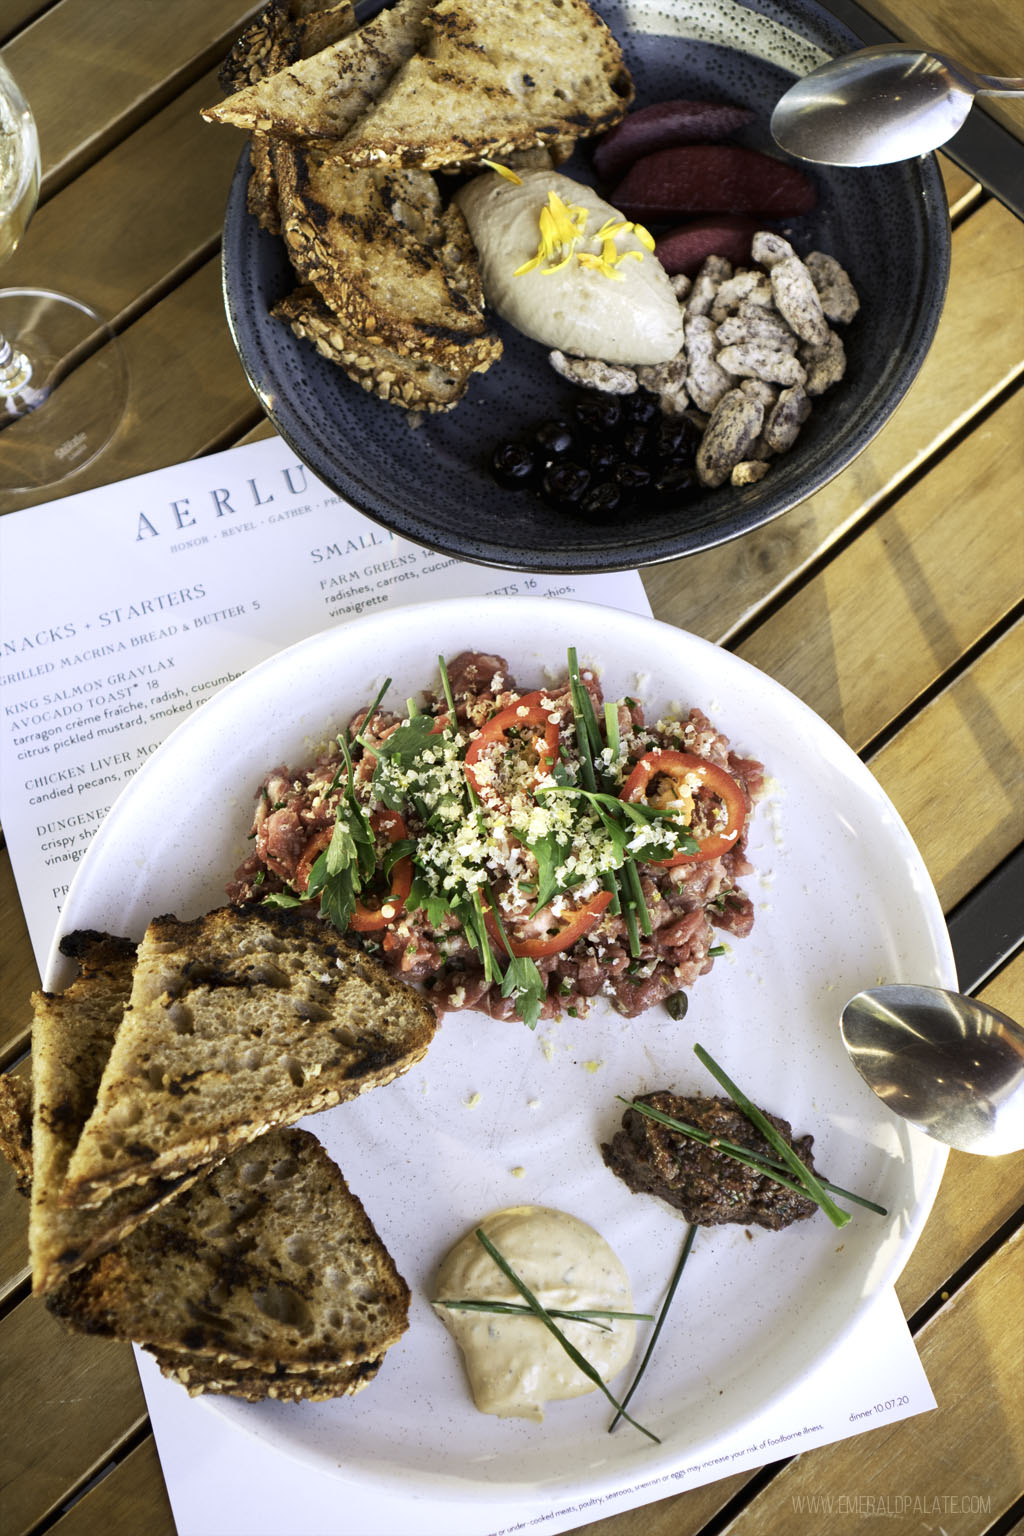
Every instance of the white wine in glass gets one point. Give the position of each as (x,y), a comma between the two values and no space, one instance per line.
(63,379)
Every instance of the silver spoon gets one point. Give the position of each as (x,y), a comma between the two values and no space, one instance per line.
(950,1066)
(881,104)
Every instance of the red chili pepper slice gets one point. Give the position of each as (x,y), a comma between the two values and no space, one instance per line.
(375,912)
(526,713)
(562,933)
(663,776)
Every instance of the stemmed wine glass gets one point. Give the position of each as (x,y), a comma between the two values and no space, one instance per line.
(63,379)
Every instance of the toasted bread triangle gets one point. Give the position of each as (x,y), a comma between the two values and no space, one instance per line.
(492,79)
(267,1266)
(284,31)
(323,96)
(396,268)
(238,1021)
(72,1035)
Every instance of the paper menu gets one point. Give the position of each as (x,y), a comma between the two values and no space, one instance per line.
(123,609)
(220,1485)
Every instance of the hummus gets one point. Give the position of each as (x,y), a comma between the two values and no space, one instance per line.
(515,1364)
(597,290)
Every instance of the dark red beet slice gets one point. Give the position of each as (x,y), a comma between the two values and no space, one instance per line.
(712,178)
(662,125)
(684,248)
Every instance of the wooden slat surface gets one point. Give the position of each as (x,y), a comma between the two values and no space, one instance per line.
(92,70)
(890,602)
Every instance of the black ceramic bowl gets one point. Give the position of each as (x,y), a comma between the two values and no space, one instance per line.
(888,225)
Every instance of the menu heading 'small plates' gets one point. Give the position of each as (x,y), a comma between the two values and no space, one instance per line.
(498,1116)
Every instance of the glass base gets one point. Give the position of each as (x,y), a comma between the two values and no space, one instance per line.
(63,387)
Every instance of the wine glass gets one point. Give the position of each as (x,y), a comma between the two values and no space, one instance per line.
(63,378)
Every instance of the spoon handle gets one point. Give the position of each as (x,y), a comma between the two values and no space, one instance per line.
(993,85)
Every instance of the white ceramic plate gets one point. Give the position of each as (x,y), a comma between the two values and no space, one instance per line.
(498,1116)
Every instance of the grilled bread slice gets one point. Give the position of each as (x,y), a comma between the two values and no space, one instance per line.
(415,383)
(322,97)
(284,31)
(391,265)
(197,1374)
(72,1034)
(269,1263)
(238,1021)
(490,79)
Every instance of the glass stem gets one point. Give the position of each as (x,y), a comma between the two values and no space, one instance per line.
(15,368)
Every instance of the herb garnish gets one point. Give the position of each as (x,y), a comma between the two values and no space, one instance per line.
(543,1316)
(805,1182)
(571,1315)
(691,1233)
(573,831)
(812,1186)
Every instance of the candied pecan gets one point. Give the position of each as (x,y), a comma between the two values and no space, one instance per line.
(796,299)
(838,296)
(785,419)
(705,380)
(731,432)
(592,373)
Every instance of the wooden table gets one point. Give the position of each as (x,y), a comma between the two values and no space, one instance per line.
(890,602)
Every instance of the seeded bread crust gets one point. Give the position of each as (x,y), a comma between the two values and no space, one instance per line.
(198,1376)
(239,1021)
(285,30)
(414,383)
(72,1036)
(269,1262)
(491,79)
(346,235)
(321,97)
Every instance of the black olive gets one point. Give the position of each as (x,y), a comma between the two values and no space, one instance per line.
(676,1005)
(554,438)
(677,479)
(635,442)
(642,407)
(565,482)
(512,463)
(601,457)
(631,477)
(601,500)
(598,414)
(676,437)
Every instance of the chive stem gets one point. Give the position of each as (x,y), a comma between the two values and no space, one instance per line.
(545,1317)
(691,1233)
(810,1183)
(592,1315)
(747,1155)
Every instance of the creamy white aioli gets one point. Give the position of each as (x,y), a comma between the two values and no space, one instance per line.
(514,1364)
(632,318)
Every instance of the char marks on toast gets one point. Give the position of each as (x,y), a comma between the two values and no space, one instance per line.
(411,284)
(415,383)
(491,79)
(323,96)
(238,1021)
(267,1267)
(72,1036)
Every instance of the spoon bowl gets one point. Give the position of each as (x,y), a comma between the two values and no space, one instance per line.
(881,104)
(949,1065)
